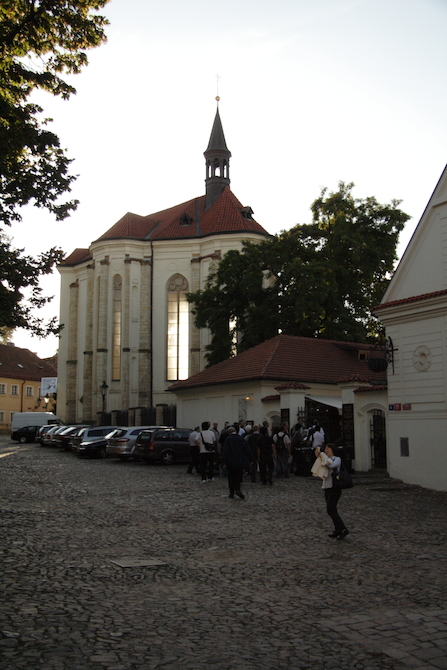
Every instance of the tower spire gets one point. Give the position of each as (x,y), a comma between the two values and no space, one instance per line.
(217,158)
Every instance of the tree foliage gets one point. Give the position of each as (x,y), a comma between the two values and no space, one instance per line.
(315,280)
(40,41)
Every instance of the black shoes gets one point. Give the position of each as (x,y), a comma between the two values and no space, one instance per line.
(339,536)
(240,495)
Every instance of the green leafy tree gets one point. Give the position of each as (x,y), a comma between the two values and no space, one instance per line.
(315,280)
(40,41)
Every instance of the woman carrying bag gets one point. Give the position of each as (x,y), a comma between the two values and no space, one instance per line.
(331,494)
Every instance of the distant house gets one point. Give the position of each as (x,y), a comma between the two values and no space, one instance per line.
(414,311)
(293,379)
(21,372)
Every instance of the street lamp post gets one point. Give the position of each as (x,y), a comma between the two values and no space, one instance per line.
(103,389)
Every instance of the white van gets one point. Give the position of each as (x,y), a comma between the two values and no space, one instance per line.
(22,419)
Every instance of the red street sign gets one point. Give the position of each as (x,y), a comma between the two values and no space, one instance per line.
(397,407)
(406,406)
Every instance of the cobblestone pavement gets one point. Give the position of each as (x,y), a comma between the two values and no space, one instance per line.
(213,583)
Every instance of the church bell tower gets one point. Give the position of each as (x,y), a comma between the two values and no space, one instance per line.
(217,157)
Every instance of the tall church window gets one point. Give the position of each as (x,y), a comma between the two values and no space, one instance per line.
(116,330)
(178,329)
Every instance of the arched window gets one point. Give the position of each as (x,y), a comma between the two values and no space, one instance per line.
(116,331)
(178,329)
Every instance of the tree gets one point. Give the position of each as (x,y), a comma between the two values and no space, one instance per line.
(40,40)
(315,280)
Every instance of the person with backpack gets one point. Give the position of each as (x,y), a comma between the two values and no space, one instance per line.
(282,446)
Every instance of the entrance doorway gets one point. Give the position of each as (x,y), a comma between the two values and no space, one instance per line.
(378,439)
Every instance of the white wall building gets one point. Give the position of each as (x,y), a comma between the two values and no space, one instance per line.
(414,311)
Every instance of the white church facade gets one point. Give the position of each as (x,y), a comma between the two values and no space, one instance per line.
(128,327)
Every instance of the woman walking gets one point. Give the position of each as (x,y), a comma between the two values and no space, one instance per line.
(332,495)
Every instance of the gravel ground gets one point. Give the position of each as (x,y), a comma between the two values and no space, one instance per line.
(123,566)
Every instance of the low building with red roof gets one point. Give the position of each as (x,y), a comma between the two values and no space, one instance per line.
(293,379)
(21,372)
(126,319)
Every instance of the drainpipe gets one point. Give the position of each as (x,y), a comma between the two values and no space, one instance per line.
(152,326)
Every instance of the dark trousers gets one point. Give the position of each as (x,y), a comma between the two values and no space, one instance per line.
(235,478)
(266,465)
(253,470)
(332,497)
(195,460)
(207,465)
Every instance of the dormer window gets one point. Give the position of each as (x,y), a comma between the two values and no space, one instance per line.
(247,212)
(186,220)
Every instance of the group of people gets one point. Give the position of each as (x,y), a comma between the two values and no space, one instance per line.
(242,448)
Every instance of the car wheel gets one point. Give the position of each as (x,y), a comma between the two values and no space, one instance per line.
(22,439)
(168,457)
(102,452)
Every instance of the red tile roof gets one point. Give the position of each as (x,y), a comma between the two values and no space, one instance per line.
(288,358)
(414,298)
(77,256)
(223,217)
(18,363)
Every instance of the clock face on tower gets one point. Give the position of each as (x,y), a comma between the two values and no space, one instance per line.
(422,358)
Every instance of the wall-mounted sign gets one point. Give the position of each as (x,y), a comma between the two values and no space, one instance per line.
(397,407)
(406,406)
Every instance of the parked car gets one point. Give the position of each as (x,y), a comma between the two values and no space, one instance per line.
(63,438)
(167,445)
(97,447)
(46,436)
(41,432)
(51,436)
(122,444)
(25,434)
(91,433)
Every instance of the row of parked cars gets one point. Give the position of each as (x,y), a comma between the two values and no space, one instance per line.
(148,443)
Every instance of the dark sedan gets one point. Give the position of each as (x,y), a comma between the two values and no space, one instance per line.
(96,448)
(25,434)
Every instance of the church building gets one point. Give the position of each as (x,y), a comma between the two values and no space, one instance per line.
(128,329)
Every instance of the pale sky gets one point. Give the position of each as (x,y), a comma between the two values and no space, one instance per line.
(312,92)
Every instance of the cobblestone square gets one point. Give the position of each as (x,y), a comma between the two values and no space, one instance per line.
(213,583)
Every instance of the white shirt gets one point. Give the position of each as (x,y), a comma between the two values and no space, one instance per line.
(318,438)
(333,463)
(192,438)
(208,437)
